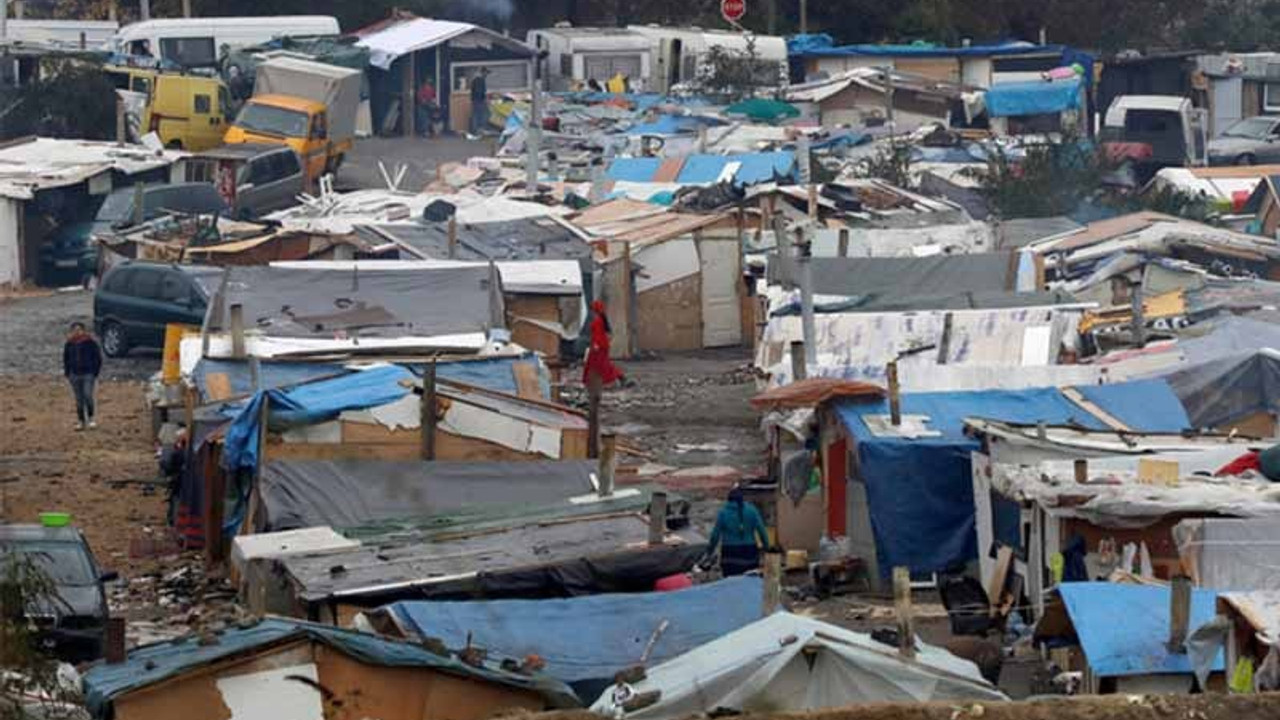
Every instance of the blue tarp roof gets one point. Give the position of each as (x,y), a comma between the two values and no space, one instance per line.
(586,640)
(697,169)
(310,403)
(1123,628)
(1033,98)
(920,491)
(150,664)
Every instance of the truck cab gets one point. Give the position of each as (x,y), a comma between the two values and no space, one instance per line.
(1156,130)
(300,123)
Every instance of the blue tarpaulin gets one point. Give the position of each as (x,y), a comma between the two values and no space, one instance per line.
(619,627)
(310,403)
(920,491)
(150,664)
(1033,98)
(633,169)
(702,169)
(1123,628)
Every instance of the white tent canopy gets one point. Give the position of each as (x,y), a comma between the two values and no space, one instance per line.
(412,35)
(787,663)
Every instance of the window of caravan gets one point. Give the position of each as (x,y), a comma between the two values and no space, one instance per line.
(603,67)
(190,52)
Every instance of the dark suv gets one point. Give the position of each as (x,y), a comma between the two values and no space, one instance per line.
(70,626)
(135,300)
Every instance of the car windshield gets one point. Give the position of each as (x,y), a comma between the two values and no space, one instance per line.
(1255,128)
(65,563)
(272,120)
(118,207)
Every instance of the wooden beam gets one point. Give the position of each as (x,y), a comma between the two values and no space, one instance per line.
(1179,613)
(427,418)
(895,394)
(453,236)
(608,454)
(1088,406)
(593,415)
(799,370)
(657,518)
(844,242)
(772,583)
(237,331)
(902,608)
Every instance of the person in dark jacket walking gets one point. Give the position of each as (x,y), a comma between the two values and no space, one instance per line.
(740,534)
(81,363)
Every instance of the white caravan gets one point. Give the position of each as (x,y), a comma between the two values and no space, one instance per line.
(197,42)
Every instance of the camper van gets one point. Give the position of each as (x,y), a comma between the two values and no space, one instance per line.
(575,55)
(198,42)
(681,54)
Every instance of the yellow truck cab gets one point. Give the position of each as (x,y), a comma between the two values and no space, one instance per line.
(300,123)
(309,106)
(188,112)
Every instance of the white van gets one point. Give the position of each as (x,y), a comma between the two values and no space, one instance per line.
(197,42)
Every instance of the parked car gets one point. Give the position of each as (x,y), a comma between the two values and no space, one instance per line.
(69,253)
(135,300)
(69,626)
(253,179)
(1250,141)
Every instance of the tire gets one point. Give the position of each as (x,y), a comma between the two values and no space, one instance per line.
(1246,159)
(115,341)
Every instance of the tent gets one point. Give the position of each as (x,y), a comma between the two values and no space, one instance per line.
(788,663)
(625,629)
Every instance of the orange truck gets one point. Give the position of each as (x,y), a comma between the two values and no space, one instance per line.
(309,106)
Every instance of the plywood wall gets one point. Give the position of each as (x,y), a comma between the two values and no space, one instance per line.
(670,317)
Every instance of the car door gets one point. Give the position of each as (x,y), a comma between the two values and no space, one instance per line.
(138,307)
(1269,150)
(256,194)
(290,184)
(175,303)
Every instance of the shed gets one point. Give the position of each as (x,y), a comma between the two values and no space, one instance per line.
(406,51)
(856,96)
(47,182)
(670,281)
(903,494)
(304,671)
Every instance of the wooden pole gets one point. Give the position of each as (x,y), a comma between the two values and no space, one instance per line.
(237,331)
(895,394)
(1179,613)
(408,95)
(799,370)
(255,373)
(186,8)
(453,236)
(813,202)
(122,134)
(114,641)
(427,419)
(657,518)
(593,415)
(1082,471)
(1137,315)
(772,582)
(608,454)
(902,608)
(844,242)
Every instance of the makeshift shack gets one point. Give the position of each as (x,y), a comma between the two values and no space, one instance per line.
(1124,632)
(901,492)
(1264,206)
(625,629)
(789,663)
(46,183)
(670,281)
(406,51)
(1253,638)
(298,670)
(1230,552)
(857,97)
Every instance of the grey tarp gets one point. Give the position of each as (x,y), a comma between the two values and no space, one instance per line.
(903,276)
(1229,388)
(1231,553)
(351,493)
(1020,232)
(295,302)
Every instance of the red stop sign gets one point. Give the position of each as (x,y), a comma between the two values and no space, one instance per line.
(733,10)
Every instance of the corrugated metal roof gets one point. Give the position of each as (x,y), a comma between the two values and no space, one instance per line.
(42,163)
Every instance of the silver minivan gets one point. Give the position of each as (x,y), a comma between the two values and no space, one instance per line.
(253,178)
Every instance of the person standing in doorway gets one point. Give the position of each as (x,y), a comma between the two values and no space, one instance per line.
(81,363)
(480,101)
(427,109)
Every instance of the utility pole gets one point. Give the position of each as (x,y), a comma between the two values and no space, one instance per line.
(804,17)
(772,14)
(4,19)
(532,138)
(144,12)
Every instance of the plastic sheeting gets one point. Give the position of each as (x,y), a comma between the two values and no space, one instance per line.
(621,627)
(308,404)
(1135,646)
(349,493)
(920,491)
(788,663)
(752,168)
(1220,391)
(1230,554)
(1033,98)
(899,277)
(151,664)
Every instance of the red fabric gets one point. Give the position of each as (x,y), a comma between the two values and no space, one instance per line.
(598,361)
(426,94)
(1248,461)
(672,582)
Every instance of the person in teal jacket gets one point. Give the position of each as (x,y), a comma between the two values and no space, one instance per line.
(740,534)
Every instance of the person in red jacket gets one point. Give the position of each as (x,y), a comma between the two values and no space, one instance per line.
(598,361)
(81,363)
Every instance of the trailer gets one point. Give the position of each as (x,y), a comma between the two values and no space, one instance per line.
(575,55)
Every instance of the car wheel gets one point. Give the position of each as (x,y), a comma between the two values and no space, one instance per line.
(115,342)
(1246,159)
